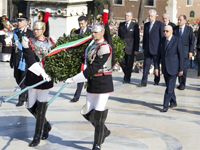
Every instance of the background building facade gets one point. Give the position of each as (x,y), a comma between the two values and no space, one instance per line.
(173,7)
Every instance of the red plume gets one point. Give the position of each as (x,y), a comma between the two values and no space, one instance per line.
(105,16)
(47,14)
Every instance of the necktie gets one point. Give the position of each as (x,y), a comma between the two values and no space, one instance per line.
(151,25)
(166,44)
(81,31)
(126,25)
(180,32)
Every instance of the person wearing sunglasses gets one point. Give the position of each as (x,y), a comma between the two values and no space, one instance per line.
(171,56)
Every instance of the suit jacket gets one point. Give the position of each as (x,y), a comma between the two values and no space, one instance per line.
(151,40)
(78,30)
(171,24)
(187,39)
(130,35)
(172,58)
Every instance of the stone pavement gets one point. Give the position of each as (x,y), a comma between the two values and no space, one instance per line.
(134,118)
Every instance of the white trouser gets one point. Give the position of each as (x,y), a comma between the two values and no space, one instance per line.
(6,57)
(96,101)
(36,95)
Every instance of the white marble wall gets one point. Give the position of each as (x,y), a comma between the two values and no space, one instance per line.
(171,9)
(64,22)
(3,7)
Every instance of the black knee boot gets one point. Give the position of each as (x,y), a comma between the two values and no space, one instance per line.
(90,117)
(47,126)
(40,119)
(32,110)
(46,129)
(100,117)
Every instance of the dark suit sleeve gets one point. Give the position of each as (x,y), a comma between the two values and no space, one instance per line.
(181,55)
(191,46)
(136,37)
(119,30)
(161,30)
(158,56)
(144,36)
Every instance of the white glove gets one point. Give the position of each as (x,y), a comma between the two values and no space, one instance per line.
(77,78)
(25,41)
(38,70)
(8,41)
(46,77)
(69,80)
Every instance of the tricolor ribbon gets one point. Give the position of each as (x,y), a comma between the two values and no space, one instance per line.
(67,45)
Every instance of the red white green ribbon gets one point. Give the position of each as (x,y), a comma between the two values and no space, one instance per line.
(67,45)
(84,65)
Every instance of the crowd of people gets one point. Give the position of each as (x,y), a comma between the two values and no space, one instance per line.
(167,46)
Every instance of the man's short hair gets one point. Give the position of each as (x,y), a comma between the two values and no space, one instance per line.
(153,10)
(129,12)
(81,18)
(184,16)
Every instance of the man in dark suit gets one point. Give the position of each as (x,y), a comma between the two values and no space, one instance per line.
(171,55)
(153,32)
(129,32)
(166,20)
(185,33)
(16,55)
(82,20)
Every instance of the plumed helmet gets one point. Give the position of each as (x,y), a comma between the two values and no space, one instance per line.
(42,22)
(39,25)
(97,28)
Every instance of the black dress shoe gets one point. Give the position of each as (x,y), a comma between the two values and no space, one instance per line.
(165,109)
(20,103)
(74,100)
(156,84)
(142,84)
(173,105)
(181,87)
(126,82)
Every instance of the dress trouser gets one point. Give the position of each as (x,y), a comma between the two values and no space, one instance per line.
(169,96)
(19,75)
(182,79)
(127,66)
(78,90)
(146,67)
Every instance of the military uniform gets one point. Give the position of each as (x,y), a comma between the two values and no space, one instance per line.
(40,49)
(16,56)
(99,85)
(6,39)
